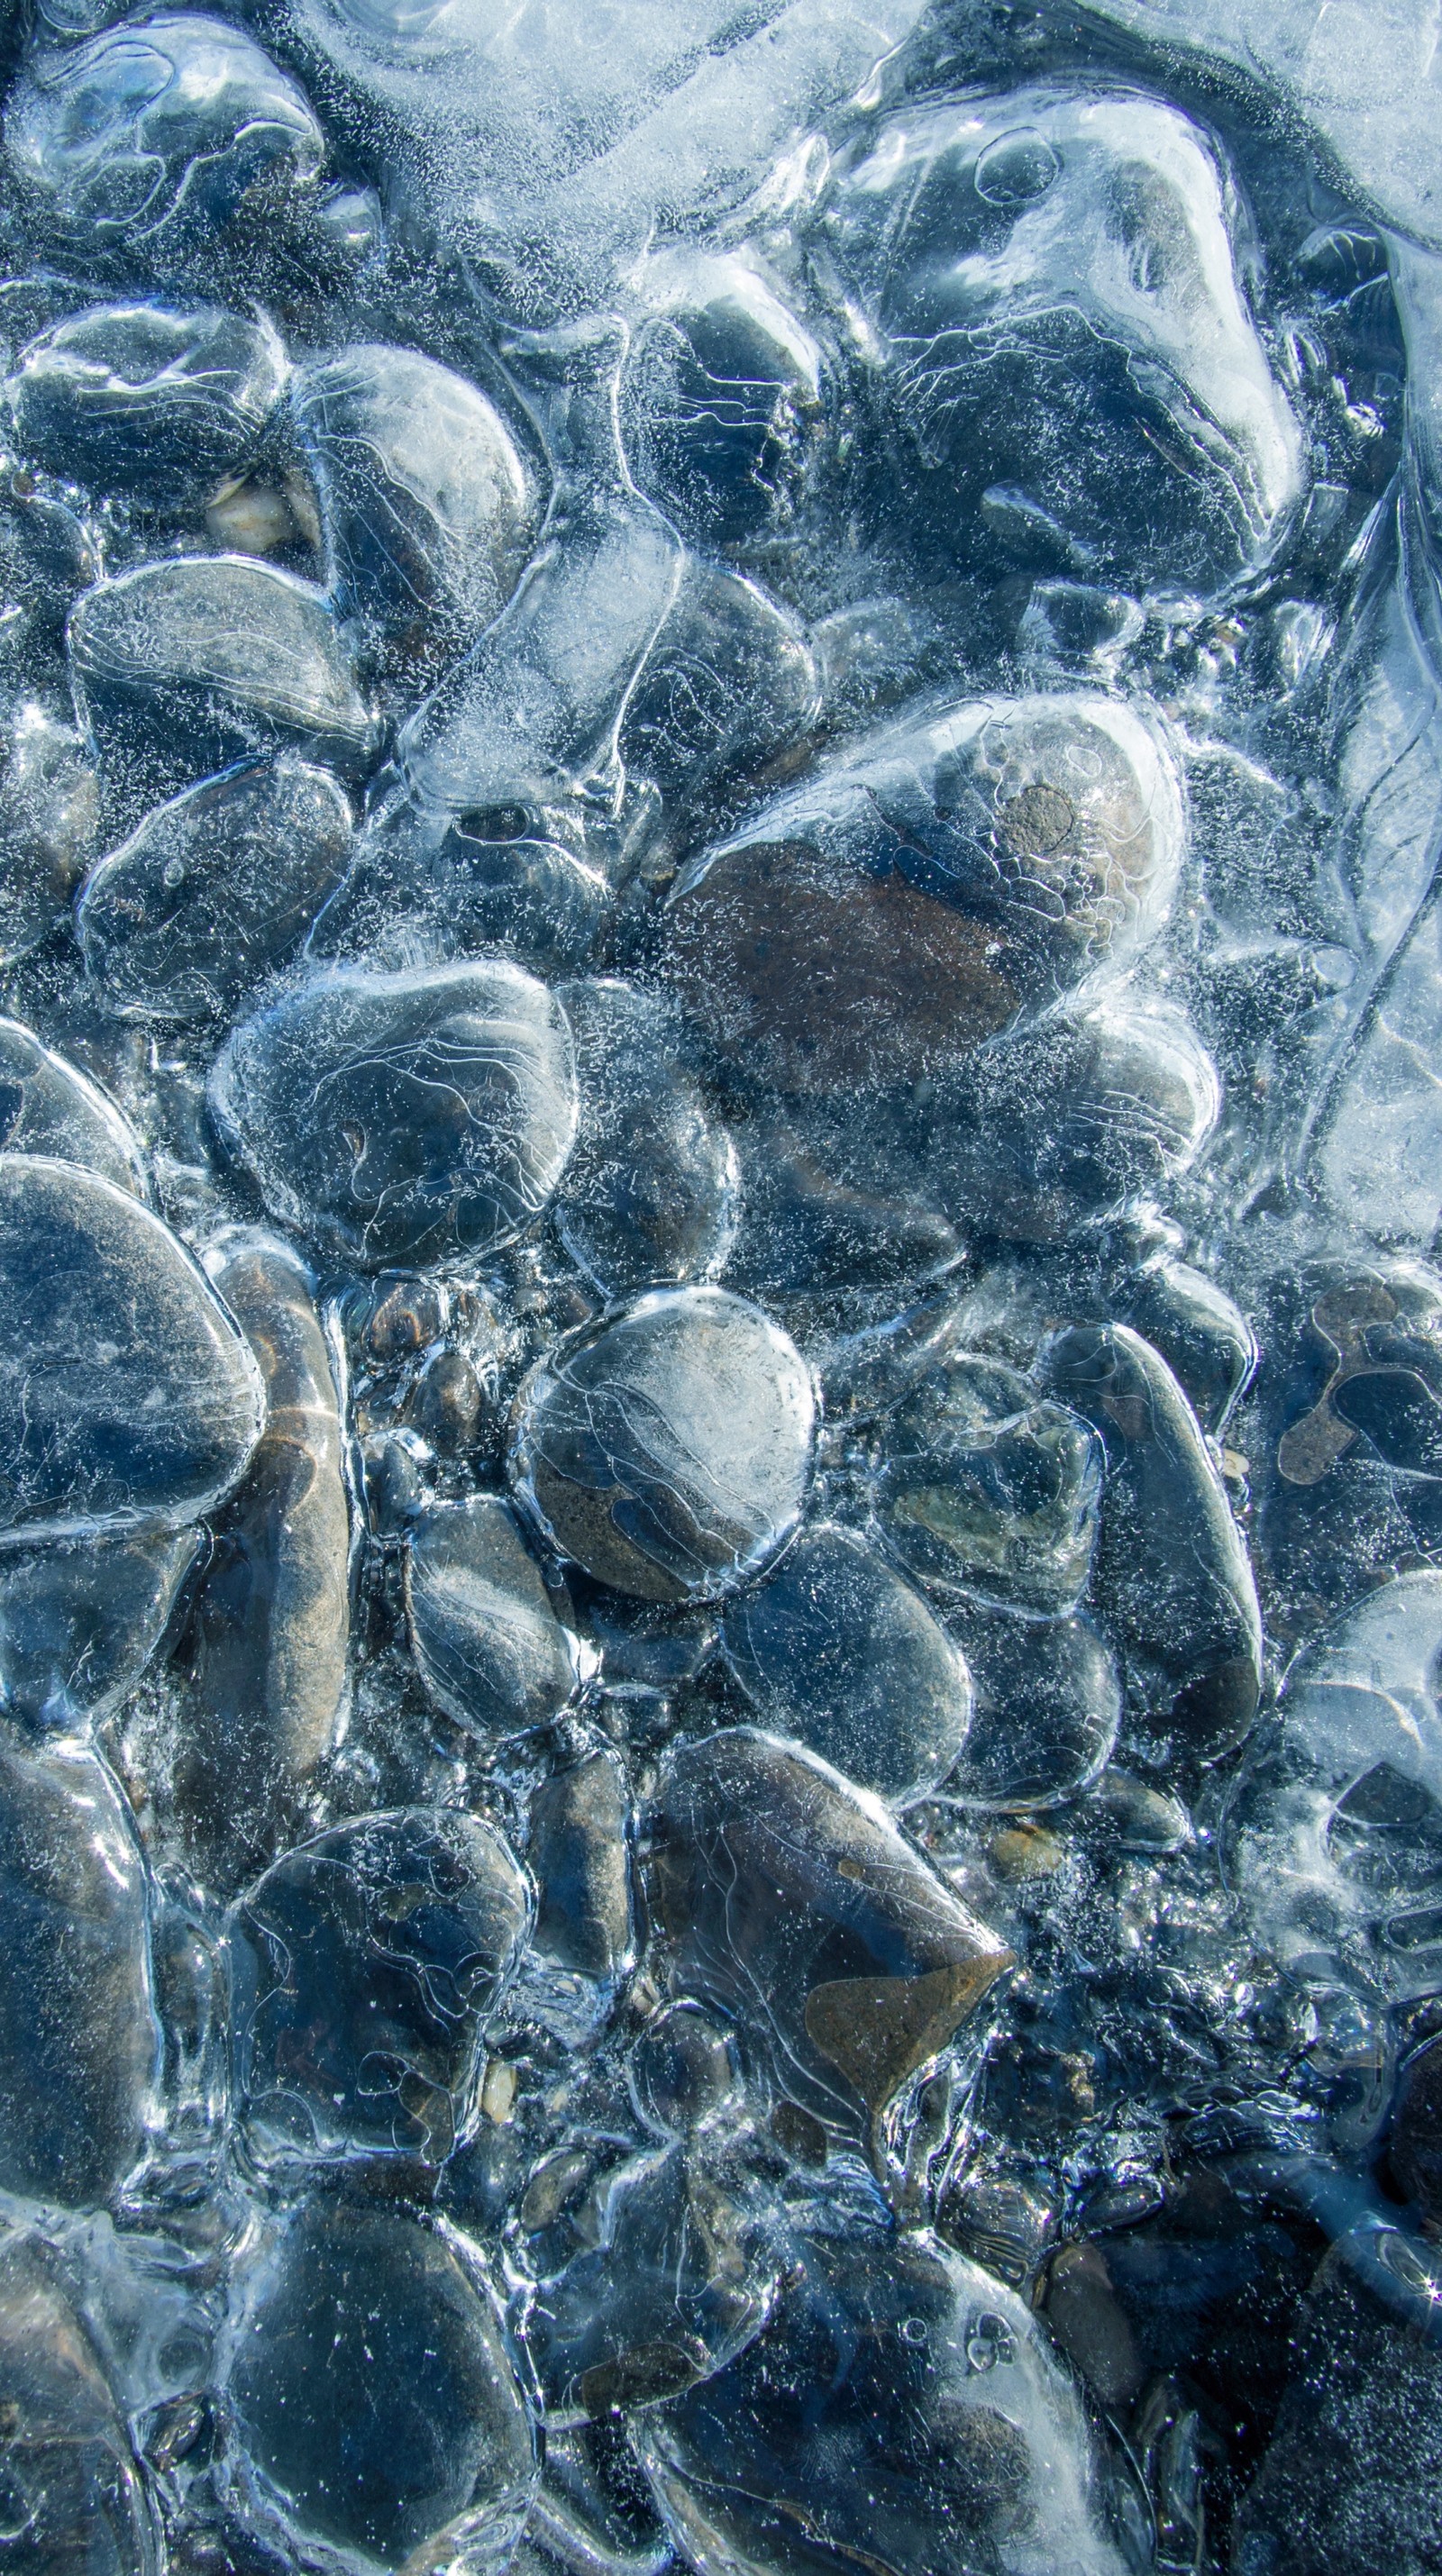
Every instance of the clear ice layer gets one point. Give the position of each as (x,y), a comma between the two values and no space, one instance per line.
(720,1289)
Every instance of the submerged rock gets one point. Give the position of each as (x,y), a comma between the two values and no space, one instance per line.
(70,2477)
(488,1643)
(214,889)
(879,922)
(49,1107)
(141,398)
(428,505)
(220,655)
(988,1488)
(127,1395)
(364,1967)
(791,1903)
(1173,1581)
(79,1622)
(269,1687)
(409,1117)
(668,1451)
(383,2321)
(837,1650)
(902,2392)
(156,141)
(79,2041)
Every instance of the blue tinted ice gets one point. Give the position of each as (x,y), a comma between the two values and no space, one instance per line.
(720,1289)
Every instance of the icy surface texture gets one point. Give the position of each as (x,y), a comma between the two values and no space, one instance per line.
(720,1289)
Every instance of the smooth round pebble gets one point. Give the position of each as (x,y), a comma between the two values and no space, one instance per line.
(378,2415)
(668,1452)
(413,1117)
(127,1394)
(836,1649)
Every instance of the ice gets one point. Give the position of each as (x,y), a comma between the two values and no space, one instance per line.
(408,1115)
(138,399)
(836,1651)
(214,889)
(222,653)
(722,1499)
(129,1396)
(485,1634)
(669,1452)
(428,506)
(391,2329)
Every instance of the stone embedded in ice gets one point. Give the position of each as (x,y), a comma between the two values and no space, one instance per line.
(901,2392)
(682,2269)
(649,1192)
(158,140)
(485,1634)
(727,690)
(986,1487)
(364,1967)
(721,395)
(73,2497)
(79,2043)
(378,2417)
(1173,1585)
(127,1395)
(877,923)
(429,508)
(1336,1832)
(79,1622)
(790,1902)
(221,655)
(1047,1706)
(417,1116)
(1058,1126)
(835,1649)
(268,1690)
(579,1857)
(1049,283)
(533,715)
(488,880)
(145,399)
(214,889)
(49,1107)
(1201,1333)
(668,1451)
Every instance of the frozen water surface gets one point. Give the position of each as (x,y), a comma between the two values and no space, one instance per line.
(721,1244)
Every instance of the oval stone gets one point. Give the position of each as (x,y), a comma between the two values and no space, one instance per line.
(414,1117)
(836,1649)
(127,1395)
(668,1452)
(378,2414)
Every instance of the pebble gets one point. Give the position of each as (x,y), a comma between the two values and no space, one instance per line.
(668,1451)
(486,1637)
(127,1394)
(413,1117)
(385,2323)
(792,1904)
(364,1966)
(214,890)
(837,1651)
